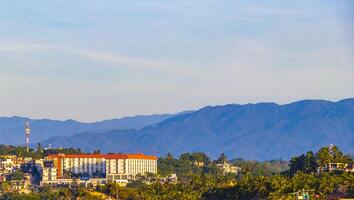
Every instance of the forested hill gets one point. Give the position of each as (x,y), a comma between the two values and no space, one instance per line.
(12,128)
(253,131)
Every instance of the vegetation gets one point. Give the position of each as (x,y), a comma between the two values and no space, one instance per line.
(200,178)
(258,180)
(54,194)
(16,150)
(18,175)
(265,168)
(310,162)
(38,153)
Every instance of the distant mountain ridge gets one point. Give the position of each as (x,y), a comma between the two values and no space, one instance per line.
(12,128)
(253,131)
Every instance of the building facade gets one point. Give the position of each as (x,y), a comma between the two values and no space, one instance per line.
(6,165)
(228,168)
(112,166)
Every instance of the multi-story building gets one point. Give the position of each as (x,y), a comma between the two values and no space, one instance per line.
(112,166)
(49,172)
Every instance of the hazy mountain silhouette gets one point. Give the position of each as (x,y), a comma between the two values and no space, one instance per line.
(253,131)
(12,128)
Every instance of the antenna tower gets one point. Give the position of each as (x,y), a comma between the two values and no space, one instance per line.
(27,132)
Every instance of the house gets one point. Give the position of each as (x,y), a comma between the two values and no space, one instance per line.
(21,186)
(228,168)
(6,165)
(198,163)
(328,167)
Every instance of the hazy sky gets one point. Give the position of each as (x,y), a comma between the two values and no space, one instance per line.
(91,60)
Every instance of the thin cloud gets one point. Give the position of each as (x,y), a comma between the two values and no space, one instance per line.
(120,60)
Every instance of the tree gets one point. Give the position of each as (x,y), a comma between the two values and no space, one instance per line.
(97,151)
(18,175)
(305,163)
(39,148)
(5,186)
(169,156)
(310,164)
(222,158)
(331,154)
(200,157)
(185,157)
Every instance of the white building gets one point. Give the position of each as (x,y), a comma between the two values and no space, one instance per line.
(6,165)
(228,168)
(49,174)
(114,167)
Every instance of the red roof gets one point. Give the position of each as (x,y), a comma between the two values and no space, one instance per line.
(106,156)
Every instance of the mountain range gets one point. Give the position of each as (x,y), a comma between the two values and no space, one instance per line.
(12,128)
(259,131)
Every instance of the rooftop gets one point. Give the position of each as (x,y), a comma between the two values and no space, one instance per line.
(106,156)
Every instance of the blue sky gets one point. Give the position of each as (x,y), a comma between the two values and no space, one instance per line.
(92,60)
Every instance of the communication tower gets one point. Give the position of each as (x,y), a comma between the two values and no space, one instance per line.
(27,132)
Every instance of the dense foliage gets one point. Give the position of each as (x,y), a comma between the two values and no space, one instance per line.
(310,162)
(200,178)
(16,150)
(258,180)
(39,152)
(54,194)
(265,168)
(283,187)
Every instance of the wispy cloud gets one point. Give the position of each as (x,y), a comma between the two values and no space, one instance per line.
(118,60)
(22,49)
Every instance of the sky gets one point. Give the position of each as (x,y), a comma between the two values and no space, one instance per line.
(91,60)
